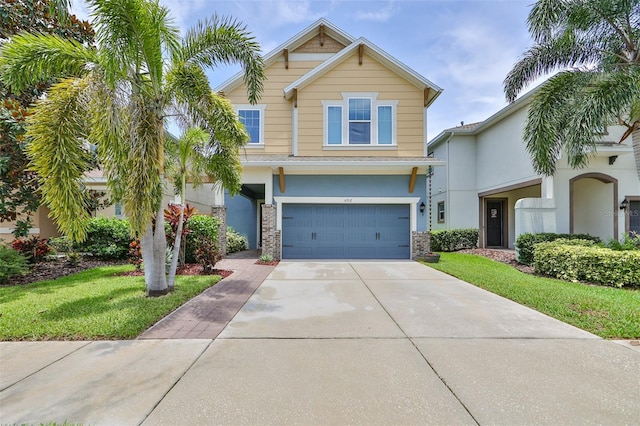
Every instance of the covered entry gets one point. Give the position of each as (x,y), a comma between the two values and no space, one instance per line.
(346,231)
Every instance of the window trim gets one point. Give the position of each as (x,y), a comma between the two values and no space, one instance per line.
(344,105)
(440,219)
(261,109)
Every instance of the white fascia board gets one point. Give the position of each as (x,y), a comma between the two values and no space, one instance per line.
(329,163)
(374,51)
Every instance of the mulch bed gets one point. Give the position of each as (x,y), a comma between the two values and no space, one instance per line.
(188,269)
(271,263)
(58,268)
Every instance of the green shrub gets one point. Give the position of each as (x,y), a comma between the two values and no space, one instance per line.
(200,226)
(454,239)
(582,260)
(629,242)
(107,238)
(61,244)
(235,242)
(12,263)
(525,243)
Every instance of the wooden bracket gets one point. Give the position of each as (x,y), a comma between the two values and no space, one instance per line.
(322,35)
(360,53)
(427,92)
(281,173)
(412,182)
(286,59)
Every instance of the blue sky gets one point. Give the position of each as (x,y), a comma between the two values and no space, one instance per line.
(464,46)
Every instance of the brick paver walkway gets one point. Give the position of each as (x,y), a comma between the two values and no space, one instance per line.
(207,314)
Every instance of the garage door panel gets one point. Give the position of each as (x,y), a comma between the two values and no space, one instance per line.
(326,231)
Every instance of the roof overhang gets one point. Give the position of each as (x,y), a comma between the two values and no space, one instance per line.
(340,165)
(359,46)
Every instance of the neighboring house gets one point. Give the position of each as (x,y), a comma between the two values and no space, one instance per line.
(336,165)
(489,183)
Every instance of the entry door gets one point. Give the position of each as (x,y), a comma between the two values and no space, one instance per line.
(494,215)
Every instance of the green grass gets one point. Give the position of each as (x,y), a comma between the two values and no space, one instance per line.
(608,312)
(94,304)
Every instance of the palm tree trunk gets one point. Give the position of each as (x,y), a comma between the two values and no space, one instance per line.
(635,142)
(154,248)
(176,252)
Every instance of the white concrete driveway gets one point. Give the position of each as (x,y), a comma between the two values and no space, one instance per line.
(333,343)
(365,342)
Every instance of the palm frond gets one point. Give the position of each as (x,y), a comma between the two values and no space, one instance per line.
(110,122)
(55,132)
(548,118)
(224,41)
(31,58)
(143,193)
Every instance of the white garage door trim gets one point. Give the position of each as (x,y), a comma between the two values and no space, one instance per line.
(412,201)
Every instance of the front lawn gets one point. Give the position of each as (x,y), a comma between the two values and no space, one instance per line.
(91,305)
(608,312)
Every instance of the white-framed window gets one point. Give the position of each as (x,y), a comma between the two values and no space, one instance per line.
(252,116)
(359,119)
(441,212)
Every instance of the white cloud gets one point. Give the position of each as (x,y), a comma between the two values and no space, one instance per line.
(376,14)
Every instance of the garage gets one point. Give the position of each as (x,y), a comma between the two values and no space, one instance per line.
(346,231)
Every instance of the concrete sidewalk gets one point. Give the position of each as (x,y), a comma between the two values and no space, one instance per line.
(337,343)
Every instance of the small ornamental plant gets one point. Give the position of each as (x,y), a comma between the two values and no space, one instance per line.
(135,254)
(33,248)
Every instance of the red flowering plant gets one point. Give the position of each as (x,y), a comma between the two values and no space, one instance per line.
(172,218)
(33,248)
(135,254)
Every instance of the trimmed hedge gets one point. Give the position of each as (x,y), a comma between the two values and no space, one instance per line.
(454,239)
(582,260)
(235,242)
(525,243)
(107,238)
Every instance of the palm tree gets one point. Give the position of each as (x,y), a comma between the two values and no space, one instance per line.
(187,162)
(117,97)
(596,46)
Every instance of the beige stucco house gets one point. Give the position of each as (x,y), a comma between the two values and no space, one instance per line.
(489,183)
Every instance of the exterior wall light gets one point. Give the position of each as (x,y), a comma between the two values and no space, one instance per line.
(422,207)
(624,204)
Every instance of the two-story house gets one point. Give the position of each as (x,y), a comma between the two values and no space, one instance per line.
(336,165)
(489,183)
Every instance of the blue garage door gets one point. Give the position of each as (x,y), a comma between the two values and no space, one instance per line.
(351,231)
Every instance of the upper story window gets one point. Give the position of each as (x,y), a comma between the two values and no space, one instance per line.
(252,116)
(359,119)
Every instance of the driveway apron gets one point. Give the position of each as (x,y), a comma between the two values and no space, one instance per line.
(396,342)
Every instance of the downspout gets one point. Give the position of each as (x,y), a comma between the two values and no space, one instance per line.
(447,206)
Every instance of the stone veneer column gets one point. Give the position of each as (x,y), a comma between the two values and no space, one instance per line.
(420,244)
(221,213)
(270,236)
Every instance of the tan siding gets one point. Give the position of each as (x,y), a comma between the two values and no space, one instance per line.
(278,114)
(368,77)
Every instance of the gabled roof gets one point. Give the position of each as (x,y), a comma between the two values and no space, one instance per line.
(293,43)
(476,128)
(352,46)
(378,54)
